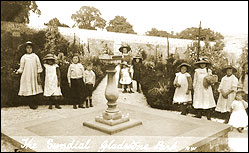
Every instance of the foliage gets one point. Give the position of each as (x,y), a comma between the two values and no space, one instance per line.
(205,34)
(55,22)
(55,42)
(121,25)
(18,11)
(88,18)
(244,55)
(158,33)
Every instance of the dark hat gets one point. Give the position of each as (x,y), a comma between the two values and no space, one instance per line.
(240,91)
(137,56)
(183,64)
(229,67)
(125,46)
(202,61)
(28,43)
(49,57)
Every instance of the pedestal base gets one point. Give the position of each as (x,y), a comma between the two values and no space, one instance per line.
(111,129)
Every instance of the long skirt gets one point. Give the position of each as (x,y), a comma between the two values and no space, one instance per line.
(78,89)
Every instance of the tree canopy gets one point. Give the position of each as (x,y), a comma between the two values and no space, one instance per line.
(205,34)
(56,22)
(88,18)
(158,33)
(119,24)
(18,11)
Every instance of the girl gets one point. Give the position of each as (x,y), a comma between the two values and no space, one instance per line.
(239,118)
(183,84)
(203,98)
(227,89)
(90,82)
(30,68)
(75,78)
(125,79)
(52,88)
(137,64)
(243,80)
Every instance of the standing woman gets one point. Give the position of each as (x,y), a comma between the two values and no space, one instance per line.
(30,68)
(203,98)
(137,66)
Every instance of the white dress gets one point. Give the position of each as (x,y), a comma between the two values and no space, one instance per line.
(227,83)
(51,81)
(30,66)
(125,76)
(238,117)
(203,98)
(180,95)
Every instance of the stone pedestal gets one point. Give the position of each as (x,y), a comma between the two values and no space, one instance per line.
(112,120)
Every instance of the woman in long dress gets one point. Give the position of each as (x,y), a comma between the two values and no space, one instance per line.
(30,68)
(203,98)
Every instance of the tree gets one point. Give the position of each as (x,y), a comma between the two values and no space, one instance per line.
(55,42)
(119,24)
(88,18)
(55,22)
(18,11)
(205,34)
(158,33)
(244,55)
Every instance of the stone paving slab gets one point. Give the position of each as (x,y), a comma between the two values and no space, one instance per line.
(160,131)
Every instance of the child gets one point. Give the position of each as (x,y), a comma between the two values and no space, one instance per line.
(30,68)
(90,82)
(243,82)
(183,84)
(52,81)
(137,64)
(227,88)
(239,118)
(125,79)
(203,98)
(75,76)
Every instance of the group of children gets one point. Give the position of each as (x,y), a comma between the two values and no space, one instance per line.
(80,81)
(232,98)
(231,101)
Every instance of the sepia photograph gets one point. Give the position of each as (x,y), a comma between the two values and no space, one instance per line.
(124,76)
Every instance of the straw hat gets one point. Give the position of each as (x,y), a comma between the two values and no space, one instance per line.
(240,91)
(229,67)
(184,64)
(202,61)
(49,57)
(124,46)
(124,63)
(28,43)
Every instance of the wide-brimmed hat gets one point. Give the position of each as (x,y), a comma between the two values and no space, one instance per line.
(244,64)
(124,46)
(229,67)
(183,64)
(124,63)
(49,57)
(28,43)
(240,91)
(202,61)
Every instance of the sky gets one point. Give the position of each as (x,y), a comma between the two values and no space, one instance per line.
(226,17)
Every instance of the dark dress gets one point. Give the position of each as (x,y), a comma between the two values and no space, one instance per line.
(137,71)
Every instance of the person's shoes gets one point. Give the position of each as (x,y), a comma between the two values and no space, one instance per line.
(91,104)
(57,106)
(131,91)
(198,115)
(74,107)
(138,91)
(87,104)
(81,106)
(240,130)
(50,107)
(125,91)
